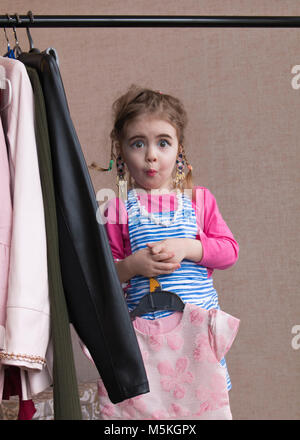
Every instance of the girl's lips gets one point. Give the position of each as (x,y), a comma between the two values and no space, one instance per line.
(151,172)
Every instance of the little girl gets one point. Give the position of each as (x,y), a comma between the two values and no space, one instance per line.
(165,227)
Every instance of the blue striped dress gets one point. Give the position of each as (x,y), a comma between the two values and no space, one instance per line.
(190,281)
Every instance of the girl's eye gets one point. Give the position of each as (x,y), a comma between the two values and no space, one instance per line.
(163,143)
(138,144)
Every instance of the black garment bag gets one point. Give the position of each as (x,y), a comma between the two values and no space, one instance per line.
(95,299)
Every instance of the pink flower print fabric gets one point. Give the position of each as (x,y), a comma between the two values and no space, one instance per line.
(181,354)
(196,317)
(173,380)
(203,351)
(175,341)
(155,342)
(213,396)
(133,408)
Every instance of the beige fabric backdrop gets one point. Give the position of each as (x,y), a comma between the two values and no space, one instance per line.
(242,140)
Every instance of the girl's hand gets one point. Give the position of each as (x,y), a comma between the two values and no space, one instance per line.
(148,264)
(175,246)
(162,257)
(188,248)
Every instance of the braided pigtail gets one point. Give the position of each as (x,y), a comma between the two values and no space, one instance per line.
(188,180)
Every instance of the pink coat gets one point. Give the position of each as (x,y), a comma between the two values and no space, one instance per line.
(27,327)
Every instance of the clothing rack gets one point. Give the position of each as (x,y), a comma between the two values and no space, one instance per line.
(87,21)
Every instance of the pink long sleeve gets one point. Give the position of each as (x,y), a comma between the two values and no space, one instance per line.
(220,250)
(116,225)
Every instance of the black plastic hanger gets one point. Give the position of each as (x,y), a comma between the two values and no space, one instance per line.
(31,18)
(32,49)
(156,300)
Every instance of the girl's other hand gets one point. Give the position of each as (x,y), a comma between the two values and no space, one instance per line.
(181,248)
(172,246)
(148,264)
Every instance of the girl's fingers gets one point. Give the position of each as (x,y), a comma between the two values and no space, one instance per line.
(169,258)
(155,247)
(164,268)
(163,272)
(162,256)
(151,245)
(167,267)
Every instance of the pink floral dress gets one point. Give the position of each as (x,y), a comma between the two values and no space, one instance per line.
(181,353)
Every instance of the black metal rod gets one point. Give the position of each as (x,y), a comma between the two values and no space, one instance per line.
(83,21)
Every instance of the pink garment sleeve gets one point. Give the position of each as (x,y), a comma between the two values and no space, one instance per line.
(220,250)
(222,330)
(116,225)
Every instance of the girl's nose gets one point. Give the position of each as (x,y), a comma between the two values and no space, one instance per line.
(151,154)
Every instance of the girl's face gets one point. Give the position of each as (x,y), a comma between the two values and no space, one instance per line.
(149,148)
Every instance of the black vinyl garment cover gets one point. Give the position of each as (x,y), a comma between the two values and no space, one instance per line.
(95,299)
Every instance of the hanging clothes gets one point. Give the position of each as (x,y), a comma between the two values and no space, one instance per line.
(27,327)
(65,389)
(10,378)
(95,299)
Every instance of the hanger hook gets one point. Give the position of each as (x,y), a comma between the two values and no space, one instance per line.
(7,40)
(9,19)
(17,48)
(31,17)
(19,21)
(16,38)
(14,28)
(10,53)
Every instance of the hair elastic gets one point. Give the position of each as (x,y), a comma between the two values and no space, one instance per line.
(96,167)
(110,165)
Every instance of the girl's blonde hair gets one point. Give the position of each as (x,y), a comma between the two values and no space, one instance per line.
(138,101)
